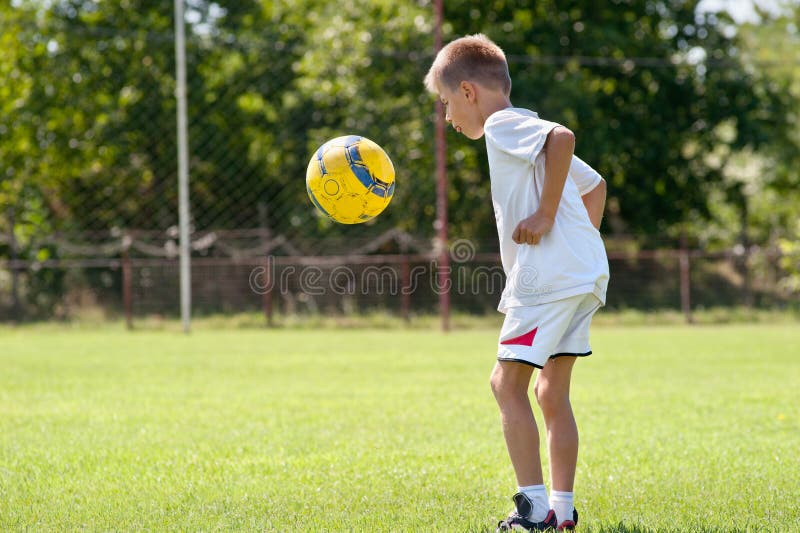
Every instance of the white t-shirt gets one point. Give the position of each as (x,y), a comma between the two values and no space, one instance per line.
(571,258)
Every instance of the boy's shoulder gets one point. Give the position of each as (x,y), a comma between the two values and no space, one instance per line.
(511,114)
(517,131)
(517,119)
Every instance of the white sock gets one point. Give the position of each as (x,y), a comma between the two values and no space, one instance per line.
(562,504)
(537,494)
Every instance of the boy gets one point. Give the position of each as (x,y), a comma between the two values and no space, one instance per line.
(555,265)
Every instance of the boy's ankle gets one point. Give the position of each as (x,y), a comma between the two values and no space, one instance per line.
(539,503)
(562,503)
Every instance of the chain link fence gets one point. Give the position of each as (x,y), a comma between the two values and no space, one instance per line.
(88,201)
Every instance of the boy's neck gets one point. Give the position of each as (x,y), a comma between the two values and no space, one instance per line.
(492,103)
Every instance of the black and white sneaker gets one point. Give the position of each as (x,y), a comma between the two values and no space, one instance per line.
(518,519)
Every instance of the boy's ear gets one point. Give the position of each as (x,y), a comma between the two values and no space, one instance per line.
(468,90)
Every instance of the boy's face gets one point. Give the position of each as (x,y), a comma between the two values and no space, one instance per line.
(461,109)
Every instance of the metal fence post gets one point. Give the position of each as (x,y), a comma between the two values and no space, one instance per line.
(441,190)
(183,167)
(683,261)
(127,287)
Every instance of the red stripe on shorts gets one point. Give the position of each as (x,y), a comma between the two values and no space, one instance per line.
(526,339)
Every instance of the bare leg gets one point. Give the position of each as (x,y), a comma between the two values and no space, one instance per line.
(552,393)
(510,383)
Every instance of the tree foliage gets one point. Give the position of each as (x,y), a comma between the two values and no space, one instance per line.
(650,88)
(660,98)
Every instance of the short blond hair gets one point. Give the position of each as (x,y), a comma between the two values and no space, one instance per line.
(474,58)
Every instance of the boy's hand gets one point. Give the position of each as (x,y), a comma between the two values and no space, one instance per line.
(532,229)
(558,147)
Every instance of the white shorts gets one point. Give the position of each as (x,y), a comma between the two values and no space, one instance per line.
(534,334)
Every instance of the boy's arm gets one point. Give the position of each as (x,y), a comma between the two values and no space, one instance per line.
(559,147)
(595,202)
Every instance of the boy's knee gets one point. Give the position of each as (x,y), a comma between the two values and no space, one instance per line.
(549,398)
(496,383)
(507,386)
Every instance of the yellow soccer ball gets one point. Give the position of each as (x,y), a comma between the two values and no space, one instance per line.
(350,179)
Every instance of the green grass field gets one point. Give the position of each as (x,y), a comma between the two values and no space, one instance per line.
(682,429)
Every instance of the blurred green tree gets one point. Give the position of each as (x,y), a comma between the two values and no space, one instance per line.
(95,70)
(652,89)
(660,97)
